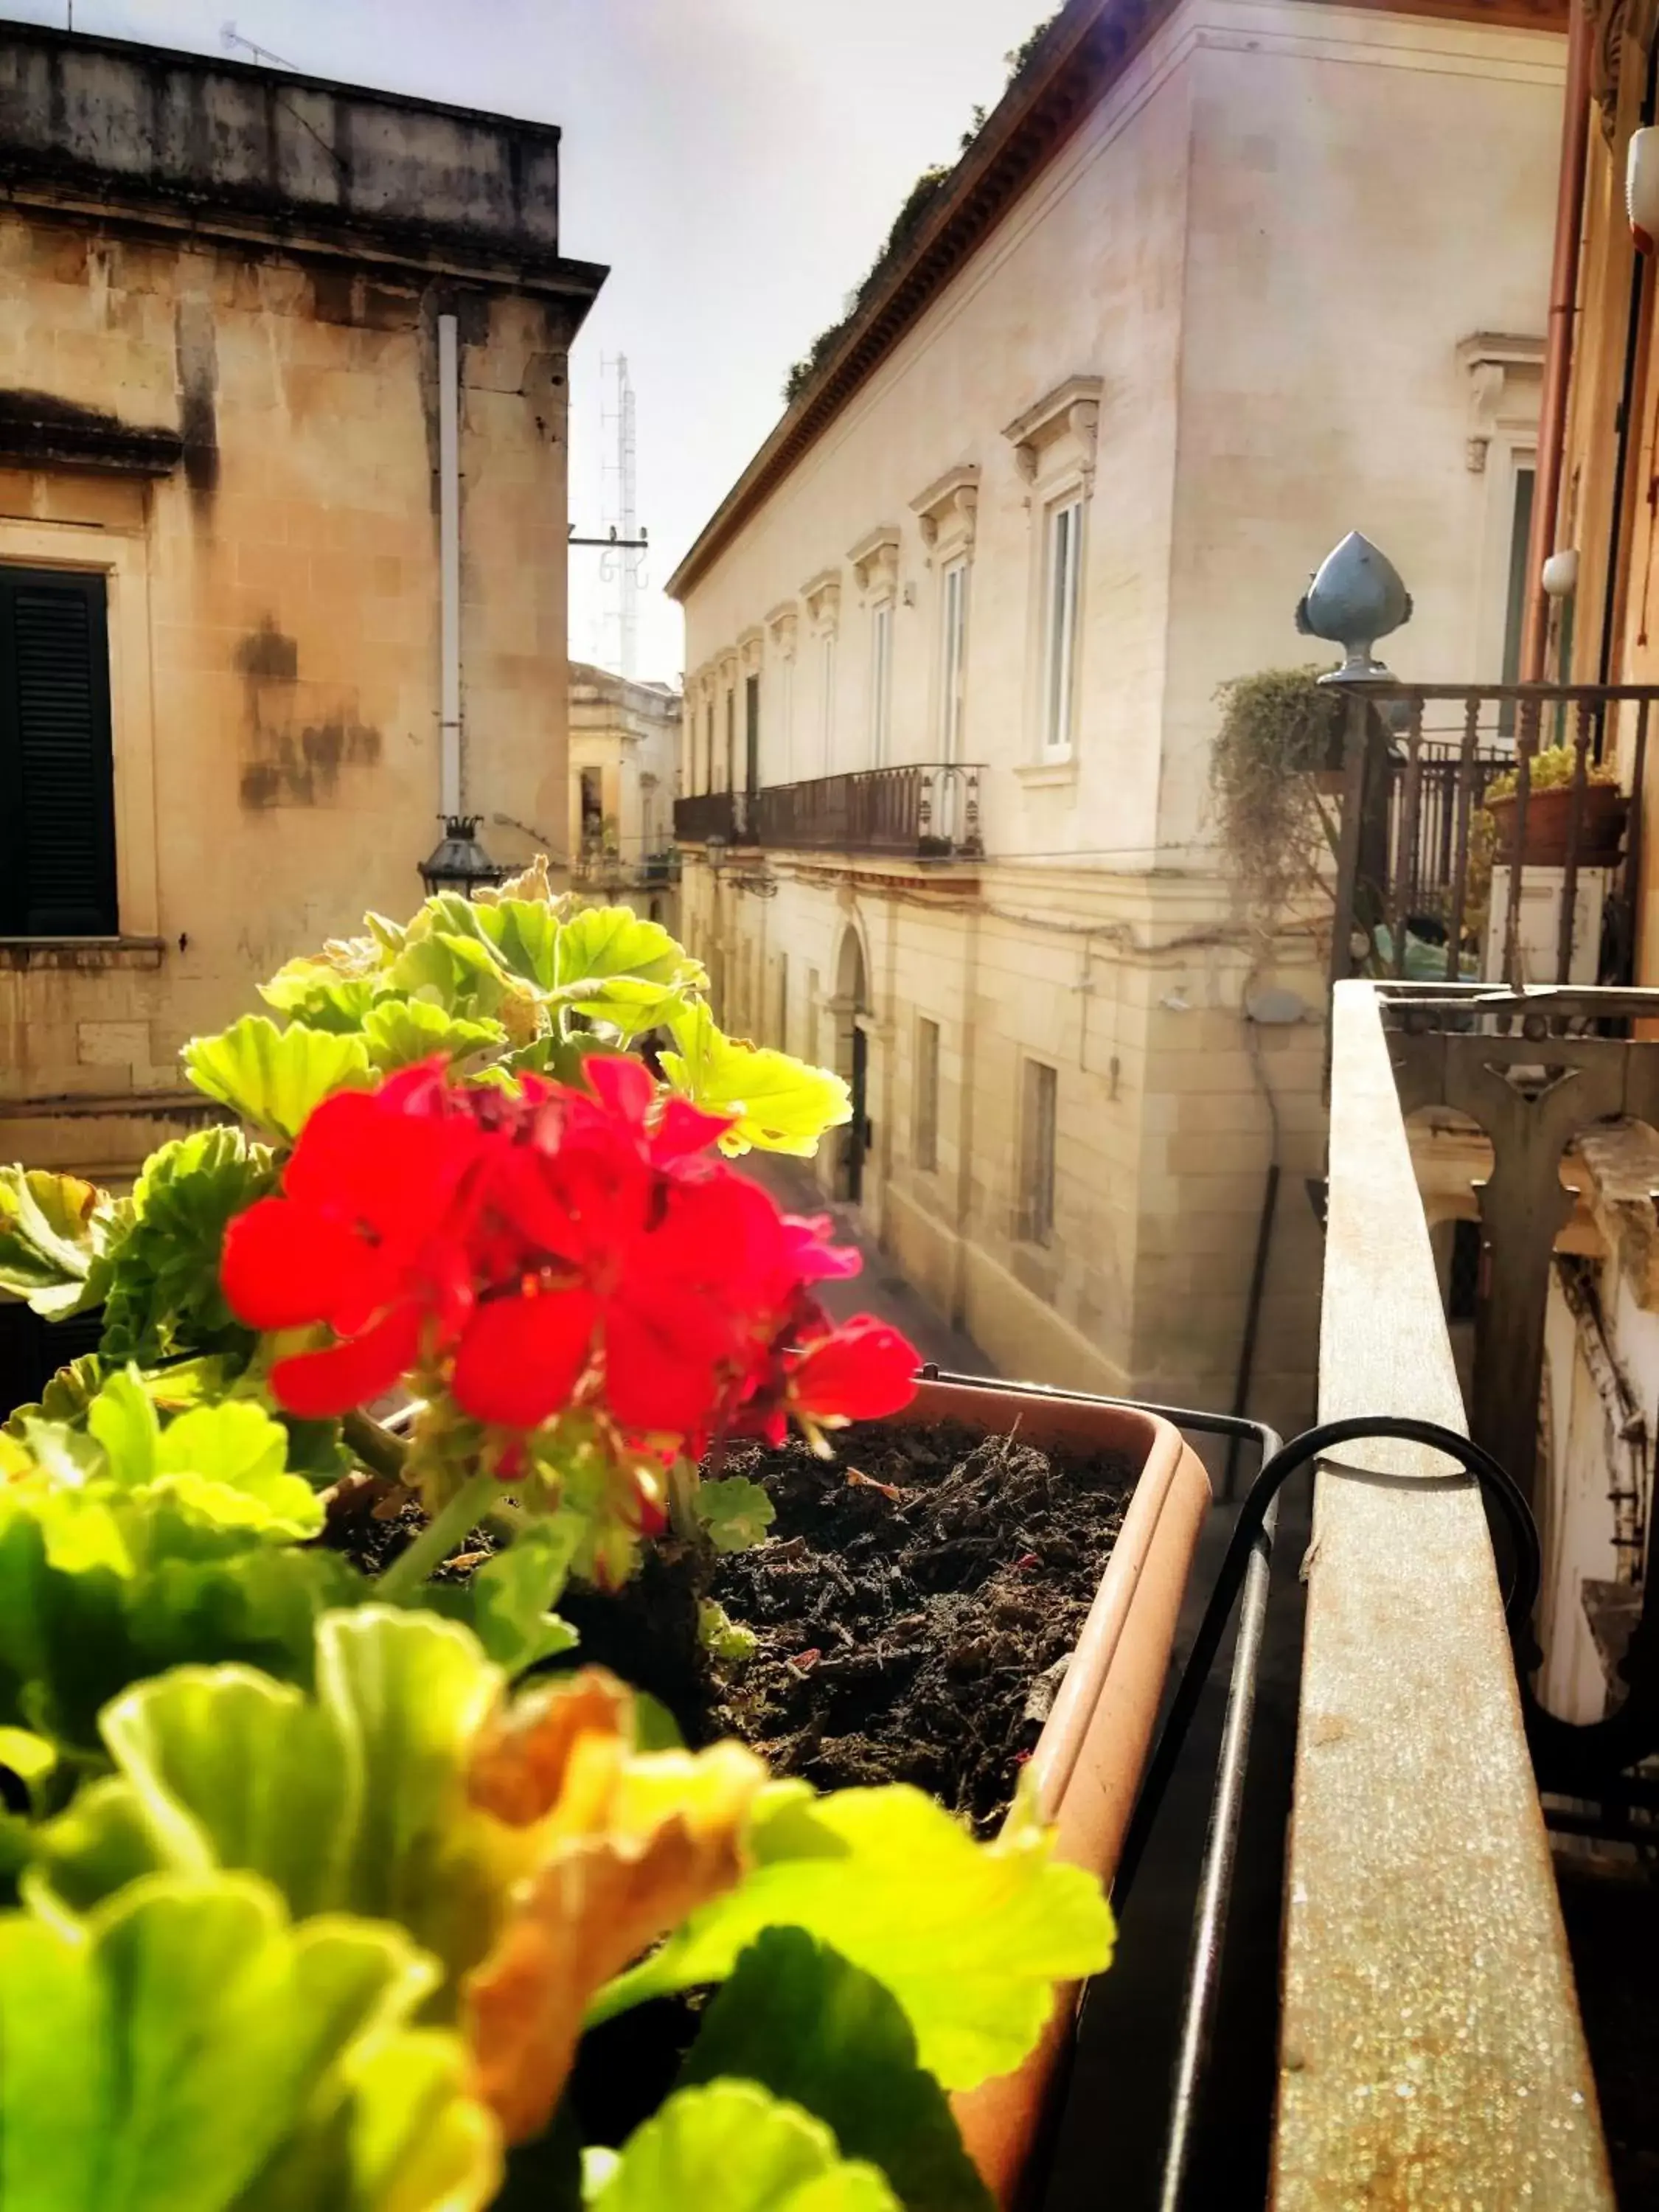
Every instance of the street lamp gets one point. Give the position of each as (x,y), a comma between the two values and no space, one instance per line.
(459,862)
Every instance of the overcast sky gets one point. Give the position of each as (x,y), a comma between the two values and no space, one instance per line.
(737,162)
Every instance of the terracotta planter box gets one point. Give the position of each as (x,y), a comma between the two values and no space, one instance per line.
(1088,1759)
(1549,814)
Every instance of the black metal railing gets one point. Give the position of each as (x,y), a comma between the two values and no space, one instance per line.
(610,870)
(929,810)
(714,814)
(1436,878)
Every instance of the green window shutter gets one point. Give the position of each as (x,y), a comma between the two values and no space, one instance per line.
(57,786)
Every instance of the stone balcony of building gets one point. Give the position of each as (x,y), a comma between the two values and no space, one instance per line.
(924,811)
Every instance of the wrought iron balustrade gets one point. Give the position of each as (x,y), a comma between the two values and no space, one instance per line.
(721,815)
(1434,879)
(927,811)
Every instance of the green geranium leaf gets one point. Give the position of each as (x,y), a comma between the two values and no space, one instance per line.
(722,1638)
(349,1800)
(800,2019)
(735,1512)
(316,992)
(731,2145)
(508,1603)
(613,967)
(274,1077)
(458,975)
(66,1396)
(125,1548)
(188,2050)
(54,1230)
(525,933)
(31,1758)
(778,1104)
(400,1031)
(163,1296)
(969,1938)
(227,1464)
(125,1422)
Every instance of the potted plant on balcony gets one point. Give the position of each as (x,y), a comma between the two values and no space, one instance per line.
(1276,753)
(287,1788)
(1602,811)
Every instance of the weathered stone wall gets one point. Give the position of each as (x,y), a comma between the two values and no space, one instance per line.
(274,614)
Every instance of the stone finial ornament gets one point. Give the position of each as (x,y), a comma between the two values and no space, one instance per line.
(1356,598)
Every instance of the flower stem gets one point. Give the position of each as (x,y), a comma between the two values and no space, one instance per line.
(681,1508)
(438,1539)
(377,1449)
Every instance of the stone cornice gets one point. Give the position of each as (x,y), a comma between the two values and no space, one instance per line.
(1080,56)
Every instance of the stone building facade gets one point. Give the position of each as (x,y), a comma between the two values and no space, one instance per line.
(1205,293)
(232,299)
(625,774)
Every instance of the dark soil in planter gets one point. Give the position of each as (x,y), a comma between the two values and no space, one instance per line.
(915,1605)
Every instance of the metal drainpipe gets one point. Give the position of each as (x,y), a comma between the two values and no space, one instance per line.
(1558,348)
(449,567)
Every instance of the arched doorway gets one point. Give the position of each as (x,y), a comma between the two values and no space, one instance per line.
(851,1000)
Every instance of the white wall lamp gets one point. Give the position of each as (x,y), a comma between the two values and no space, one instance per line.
(1559,576)
(1642,188)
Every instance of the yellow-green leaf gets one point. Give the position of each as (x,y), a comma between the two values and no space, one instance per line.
(400,1031)
(275,1077)
(732,2146)
(188,2049)
(778,1103)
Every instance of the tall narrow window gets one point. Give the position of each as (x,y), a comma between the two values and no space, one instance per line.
(752,775)
(592,808)
(926,1134)
(953,659)
(829,703)
(708,747)
(1062,574)
(1037,1153)
(881,681)
(56,780)
(731,783)
(1515,602)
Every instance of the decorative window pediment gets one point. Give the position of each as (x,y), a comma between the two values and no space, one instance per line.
(1060,429)
(1505,377)
(749,647)
(821,595)
(875,558)
(947,509)
(781,624)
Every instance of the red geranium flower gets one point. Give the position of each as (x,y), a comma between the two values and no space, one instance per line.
(549,1245)
(857,1373)
(362,1238)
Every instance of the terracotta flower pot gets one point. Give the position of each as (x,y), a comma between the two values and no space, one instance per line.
(1088,1760)
(1549,815)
